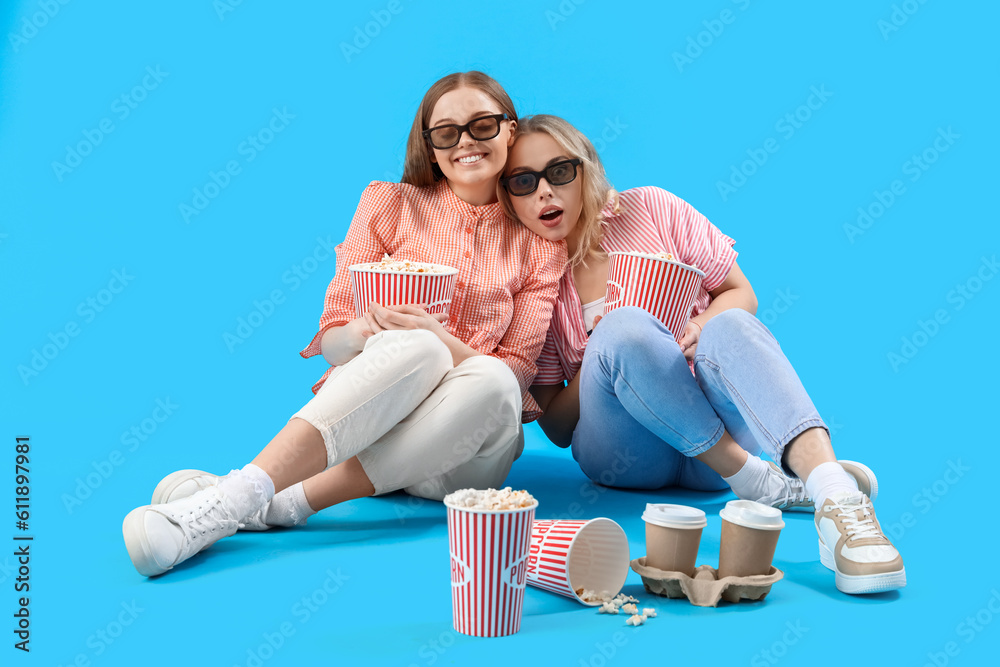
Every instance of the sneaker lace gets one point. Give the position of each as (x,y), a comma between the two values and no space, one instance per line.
(206,518)
(794,496)
(860,518)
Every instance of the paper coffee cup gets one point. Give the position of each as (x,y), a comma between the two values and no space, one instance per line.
(673,533)
(399,288)
(489,553)
(566,556)
(749,537)
(662,287)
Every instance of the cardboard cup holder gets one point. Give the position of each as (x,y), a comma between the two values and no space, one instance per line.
(704,589)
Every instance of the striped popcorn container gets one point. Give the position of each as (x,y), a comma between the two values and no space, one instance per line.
(662,287)
(398,288)
(568,557)
(489,553)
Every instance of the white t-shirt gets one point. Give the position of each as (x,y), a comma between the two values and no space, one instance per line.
(591,311)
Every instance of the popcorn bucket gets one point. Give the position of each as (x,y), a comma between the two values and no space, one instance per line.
(398,288)
(662,287)
(489,553)
(567,556)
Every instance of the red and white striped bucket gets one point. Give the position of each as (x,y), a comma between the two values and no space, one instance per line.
(489,553)
(662,287)
(399,288)
(569,555)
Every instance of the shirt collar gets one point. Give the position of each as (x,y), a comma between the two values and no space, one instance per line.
(492,211)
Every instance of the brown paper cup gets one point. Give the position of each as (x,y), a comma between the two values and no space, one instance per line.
(672,549)
(749,537)
(673,533)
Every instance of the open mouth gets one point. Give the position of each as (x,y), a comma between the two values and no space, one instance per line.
(550,213)
(471,159)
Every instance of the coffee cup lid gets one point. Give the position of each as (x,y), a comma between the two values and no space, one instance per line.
(674,516)
(752,515)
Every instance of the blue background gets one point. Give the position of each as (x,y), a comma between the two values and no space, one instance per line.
(839,304)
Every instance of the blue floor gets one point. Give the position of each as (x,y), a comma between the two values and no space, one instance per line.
(369,580)
(159,274)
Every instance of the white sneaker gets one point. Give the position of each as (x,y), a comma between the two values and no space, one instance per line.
(785,493)
(184,483)
(160,536)
(789,493)
(851,543)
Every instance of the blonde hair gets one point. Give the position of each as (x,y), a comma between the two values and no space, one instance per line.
(417,167)
(597,191)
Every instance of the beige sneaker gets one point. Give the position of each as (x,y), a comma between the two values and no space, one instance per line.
(851,543)
(863,475)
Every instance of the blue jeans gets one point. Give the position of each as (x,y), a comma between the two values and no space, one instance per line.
(643,416)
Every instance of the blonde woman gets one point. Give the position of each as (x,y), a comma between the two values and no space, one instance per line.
(409,402)
(641,410)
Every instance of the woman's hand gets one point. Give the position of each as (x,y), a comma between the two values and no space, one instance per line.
(391,318)
(689,340)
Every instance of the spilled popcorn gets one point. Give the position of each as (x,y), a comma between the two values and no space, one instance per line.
(588,595)
(619,603)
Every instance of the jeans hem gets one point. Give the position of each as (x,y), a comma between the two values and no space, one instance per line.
(804,425)
(708,444)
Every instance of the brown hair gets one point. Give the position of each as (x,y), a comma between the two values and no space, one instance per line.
(596,192)
(418,168)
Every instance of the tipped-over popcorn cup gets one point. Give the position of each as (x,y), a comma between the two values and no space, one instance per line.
(662,287)
(398,283)
(567,557)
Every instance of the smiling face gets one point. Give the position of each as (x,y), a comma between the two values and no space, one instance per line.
(551,211)
(471,166)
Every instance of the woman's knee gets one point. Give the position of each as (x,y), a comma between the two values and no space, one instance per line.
(629,329)
(490,383)
(411,350)
(728,322)
(731,326)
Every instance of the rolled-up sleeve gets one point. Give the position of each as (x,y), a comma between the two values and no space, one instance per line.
(533,303)
(368,239)
(699,242)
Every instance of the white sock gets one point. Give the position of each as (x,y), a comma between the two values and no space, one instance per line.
(750,483)
(289,508)
(246,490)
(828,479)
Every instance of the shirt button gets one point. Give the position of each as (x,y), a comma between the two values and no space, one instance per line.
(468,253)
(460,284)
(468,230)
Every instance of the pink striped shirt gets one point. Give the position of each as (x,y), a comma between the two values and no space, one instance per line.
(651,220)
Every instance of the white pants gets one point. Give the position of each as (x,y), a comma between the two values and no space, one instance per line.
(417,423)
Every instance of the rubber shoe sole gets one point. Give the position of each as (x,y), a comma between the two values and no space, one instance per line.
(137,544)
(861,584)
